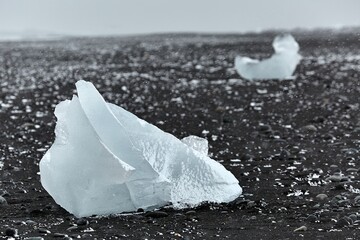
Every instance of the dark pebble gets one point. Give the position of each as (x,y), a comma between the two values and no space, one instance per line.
(284,155)
(59,235)
(11,232)
(350,151)
(311,218)
(316,206)
(36,212)
(264,128)
(328,136)
(227,120)
(345,179)
(344,202)
(190,215)
(191,212)
(72,228)
(178,215)
(156,214)
(255,134)
(351,222)
(343,222)
(321,196)
(338,209)
(43,230)
(251,204)
(309,128)
(82,222)
(20,223)
(300,136)
(356,130)
(30,222)
(353,217)
(318,119)
(87,236)
(4,193)
(240,201)
(337,198)
(340,187)
(3,201)
(337,178)
(280,140)
(246,157)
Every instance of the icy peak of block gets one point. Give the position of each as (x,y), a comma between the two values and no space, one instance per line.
(281,65)
(197,143)
(106,160)
(285,43)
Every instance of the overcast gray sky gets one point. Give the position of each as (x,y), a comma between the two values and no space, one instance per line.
(104,17)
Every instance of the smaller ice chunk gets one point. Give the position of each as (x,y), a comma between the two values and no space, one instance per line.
(197,143)
(281,65)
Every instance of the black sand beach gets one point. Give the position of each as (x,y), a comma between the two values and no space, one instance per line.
(294,145)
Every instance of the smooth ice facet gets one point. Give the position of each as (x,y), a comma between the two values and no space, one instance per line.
(106,160)
(281,65)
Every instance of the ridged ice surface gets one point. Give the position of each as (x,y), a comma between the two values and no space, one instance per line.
(281,65)
(106,160)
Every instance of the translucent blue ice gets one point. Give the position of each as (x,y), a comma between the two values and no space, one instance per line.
(106,160)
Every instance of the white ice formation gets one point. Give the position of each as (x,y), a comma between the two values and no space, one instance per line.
(106,160)
(281,65)
(197,143)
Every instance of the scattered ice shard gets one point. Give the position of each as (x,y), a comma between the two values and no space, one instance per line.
(106,160)
(281,65)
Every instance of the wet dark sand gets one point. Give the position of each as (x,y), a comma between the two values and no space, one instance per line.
(295,139)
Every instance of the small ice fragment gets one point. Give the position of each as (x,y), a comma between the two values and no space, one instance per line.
(214,137)
(106,160)
(124,88)
(261,91)
(235,160)
(39,114)
(281,65)
(177,100)
(205,132)
(41,149)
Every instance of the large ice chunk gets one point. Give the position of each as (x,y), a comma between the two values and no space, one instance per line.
(106,160)
(281,65)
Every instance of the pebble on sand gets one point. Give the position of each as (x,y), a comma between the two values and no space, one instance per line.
(3,201)
(343,222)
(309,128)
(11,232)
(321,196)
(301,229)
